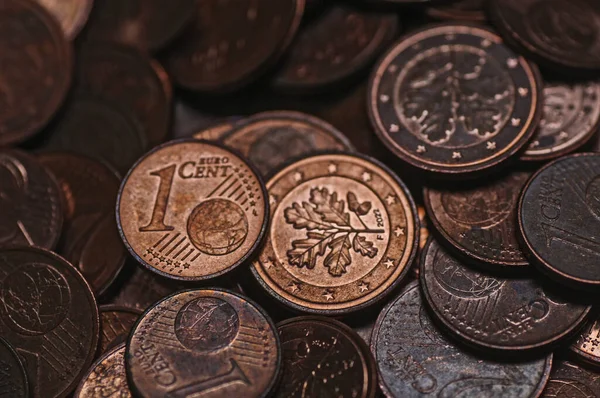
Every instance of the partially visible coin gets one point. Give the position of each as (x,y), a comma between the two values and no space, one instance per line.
(454,99)
(106,377)
(210,342)
(215,132)
(463,10)
(71,14)
(115,324)
(49,314)
(323,357)
(587,345)
(495,313)
(13,379)
(35,82)
(31,211)
(343,234)
(571,380)
(415,359)
(192,210)
(423,236)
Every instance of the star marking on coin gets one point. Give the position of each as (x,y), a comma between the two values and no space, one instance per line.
(251,195)
(389,263)
(515,121)
(328,295)
(149,251)
(294,287)
(176,264)
(162,259)
(168,261)
(563,135)
(186,266)
(245,181)
(363,287)
(421,149)
(272,200)
(456,155)
(485,43)
(523,91)
(298,176)
(332,168)
(252,203)
(491,145)
(366,176)
(399,231)
(394,128)
(268,263)
(384,98)
(390,199)
(512,63)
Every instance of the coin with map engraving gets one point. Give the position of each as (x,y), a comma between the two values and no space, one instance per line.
(569,380)
(106,377)
(71,14)
(115,324)
(13,378)
(204,342)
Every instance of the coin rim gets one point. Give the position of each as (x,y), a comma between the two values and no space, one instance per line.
(97,362)
(20,365)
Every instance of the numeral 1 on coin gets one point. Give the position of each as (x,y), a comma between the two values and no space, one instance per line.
(234,375)
(554,233)
(157,223)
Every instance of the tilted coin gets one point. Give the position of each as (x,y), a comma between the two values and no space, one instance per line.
(115,324)
(49,314)
(559,219)
(90,239)
(480,221)
(571,117)
(231,43)
(454,99)
(571,380)
(31,211)
(34,82)
(215,132)
(463,10)
(192,210)
(107,377)
(271,139)
(210,342)
(415,359)
(71,14)
(587,345)
(343,234)
(13,379)
(423,236)
(131,80)
(323,357)
(489,312)
(332,47)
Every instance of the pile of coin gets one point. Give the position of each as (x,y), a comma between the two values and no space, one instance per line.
(299,198)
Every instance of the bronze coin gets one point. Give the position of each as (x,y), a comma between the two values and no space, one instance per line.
(115,324)
(494,313)
(570,380)
(343,234)
(271,139)
(215,132)
(454,99)
(36,64)
(131,80)
(332,47)
(90,239)
(49,314)
(30,202)
(559,219)
(13,378)
(233,42)
(587,345)
(462,10)
(324,358)
(423,236)
(192,210)
(95,127)
(71,14)
(148,25)
(571,117)
(210,342)
(107,377)
(480,221)
(415,359)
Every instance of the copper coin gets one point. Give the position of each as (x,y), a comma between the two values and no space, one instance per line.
(337,44)
(233,42)
(210,342)
(571,380)
(343,234)
(13,379)
(71,14)
(559,219)
(30,202)
(192,210)
(34,82)
(454,99)
(215,132)
(562,33)
(415,359)
(324,358)
(95,127)
(107,377)
(494,313)
(131,80)
(463,10)
(90,239)
(49,314)
(115,324)
(571,117)
(480,221)
(423,236)
(587,345)
(146,24)
(271,139)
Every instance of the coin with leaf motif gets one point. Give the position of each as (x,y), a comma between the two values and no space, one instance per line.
(343,234)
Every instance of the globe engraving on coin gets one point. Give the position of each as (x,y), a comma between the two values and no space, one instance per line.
(13,378)
(71,14)
(192,210)
(107,377)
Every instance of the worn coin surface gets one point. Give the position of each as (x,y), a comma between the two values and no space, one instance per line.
(587,345)
(115,324)
(571,117)
(31,212)
(131,80)
(571,380)
(463,10)
(480,221)
(335,45)
(323,357)
(209,342)
(559,219)
(216,131)
(35,82)
(49,314)
(343,234)
(90,239)
(454,99)
(415,359)
(192,210)
(13,378)
(71,14)
(107,377)
(270,139)
(232,42)
(494,313)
